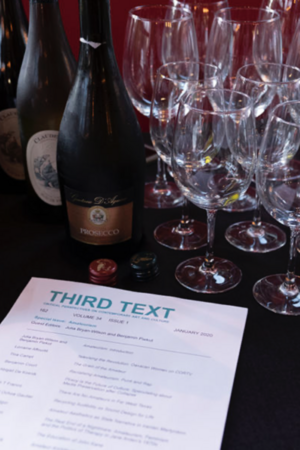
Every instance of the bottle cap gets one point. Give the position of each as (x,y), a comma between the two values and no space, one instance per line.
(144,266)
(103,271)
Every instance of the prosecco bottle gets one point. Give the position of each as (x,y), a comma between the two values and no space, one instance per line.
(13,37)
(100,156)
(45,80)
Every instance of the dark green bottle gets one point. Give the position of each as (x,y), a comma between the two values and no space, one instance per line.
(100,156)
(13,37)
(45,81)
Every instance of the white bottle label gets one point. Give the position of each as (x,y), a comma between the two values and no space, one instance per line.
(91,43)
(11,159)
(41,163)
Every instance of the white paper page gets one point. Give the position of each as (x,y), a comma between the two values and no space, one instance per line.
(90,367)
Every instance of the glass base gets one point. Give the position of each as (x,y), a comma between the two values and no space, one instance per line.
(169,235)
(270,293)
(168,197)
(264,239)
(246,203)
(223,276)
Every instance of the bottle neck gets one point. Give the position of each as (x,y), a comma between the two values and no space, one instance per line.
(95,23)
(22,19)
(13,20)
(15,8)
(44,18)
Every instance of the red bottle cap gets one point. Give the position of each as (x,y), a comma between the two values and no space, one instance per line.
(103,271)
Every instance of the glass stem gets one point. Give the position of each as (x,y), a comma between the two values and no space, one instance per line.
(184,226)
(256,220)
(290,280)
(209,255)
(161,175)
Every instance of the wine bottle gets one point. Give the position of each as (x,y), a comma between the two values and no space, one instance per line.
(100,156)
(13,37)
(45,80)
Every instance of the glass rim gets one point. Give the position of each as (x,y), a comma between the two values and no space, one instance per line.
(202,3)
(275,15)
(187,15)
(174,63)
(282,105)
(268,83)
(218,113)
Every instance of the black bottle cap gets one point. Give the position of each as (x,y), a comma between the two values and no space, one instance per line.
(144,266)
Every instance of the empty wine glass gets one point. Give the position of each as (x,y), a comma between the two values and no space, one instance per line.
(257,236)
(278,185)
(293,56)
(213,162)
(289,11)
(203,13)
(173,81)
(155,35)
(239,36)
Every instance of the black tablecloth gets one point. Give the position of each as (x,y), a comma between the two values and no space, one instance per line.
(264,411)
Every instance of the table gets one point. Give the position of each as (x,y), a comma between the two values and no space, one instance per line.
(264,408)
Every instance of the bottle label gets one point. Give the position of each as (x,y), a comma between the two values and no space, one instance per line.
(11,159)
(93,44)
(41,164)
(100,219)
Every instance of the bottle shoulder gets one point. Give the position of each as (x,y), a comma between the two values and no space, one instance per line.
(12,49)
(99,126)
(100,118)
(12,46)
(13,24)
(45,81)
(56,61)
(48,58)
(98,87)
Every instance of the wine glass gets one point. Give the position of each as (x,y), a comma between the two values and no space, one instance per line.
(293,56)
(239,36)
(203,13)
(257,236)
(289,11)
(213,161)
(155,35)
(278,185)
(172,83)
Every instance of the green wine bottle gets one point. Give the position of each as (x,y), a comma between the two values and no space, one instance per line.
(100,155)
(45,81)
(13,37)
